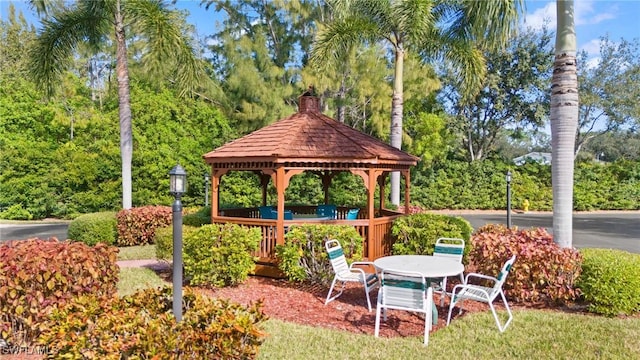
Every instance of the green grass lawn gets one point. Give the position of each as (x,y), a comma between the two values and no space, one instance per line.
(139,252)
(134,279)
(533,334)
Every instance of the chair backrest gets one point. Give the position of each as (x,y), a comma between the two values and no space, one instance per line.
(352,214)
(266,212)
(327,210)
(403,290)
(288,214)
(502,276)
(452,248)
(336,257)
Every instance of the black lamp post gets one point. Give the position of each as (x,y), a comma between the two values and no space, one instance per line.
(508,178)
(177,187)
(206,189)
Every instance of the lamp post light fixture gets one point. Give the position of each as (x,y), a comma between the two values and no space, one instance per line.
(207,180)
(177,187)
(508,178)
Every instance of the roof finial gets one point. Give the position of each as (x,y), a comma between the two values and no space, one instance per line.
(311,91)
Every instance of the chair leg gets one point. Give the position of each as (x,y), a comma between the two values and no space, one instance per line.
(377,328)
(444,291)
(502,328)
(366,293)
(329,298)
(451,305)
(428,317)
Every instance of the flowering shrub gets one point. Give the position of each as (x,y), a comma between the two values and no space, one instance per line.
(39,275)
(137,226)
(543,272)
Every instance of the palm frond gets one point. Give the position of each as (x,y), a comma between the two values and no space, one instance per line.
(169,46)
(338,38)
(57,40)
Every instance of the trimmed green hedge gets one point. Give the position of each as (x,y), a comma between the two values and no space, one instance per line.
(164,241)
(198,218)
(610,281)
(417,233)
(220,255)
(94,228)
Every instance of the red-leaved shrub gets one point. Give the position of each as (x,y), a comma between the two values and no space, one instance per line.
(39,275)
(543,272)
(137,226)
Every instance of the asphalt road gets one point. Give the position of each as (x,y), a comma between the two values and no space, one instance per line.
(29,230)
(615,230)
(593,230)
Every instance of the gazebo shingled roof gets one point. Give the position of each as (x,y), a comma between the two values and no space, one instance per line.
(309,135)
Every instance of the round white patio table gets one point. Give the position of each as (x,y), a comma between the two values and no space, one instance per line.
(428,266)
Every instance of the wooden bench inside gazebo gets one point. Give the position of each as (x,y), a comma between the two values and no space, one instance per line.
(309,141)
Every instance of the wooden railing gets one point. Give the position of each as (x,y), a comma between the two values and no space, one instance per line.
(380,246)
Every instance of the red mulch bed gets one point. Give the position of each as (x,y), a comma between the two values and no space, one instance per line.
(304,304)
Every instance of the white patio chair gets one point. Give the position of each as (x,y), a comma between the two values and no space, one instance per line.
(450,248)
(484,294)
(348,273)
(401,290)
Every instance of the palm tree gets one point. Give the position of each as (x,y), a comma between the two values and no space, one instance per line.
(435,29)
(564,122)
(92,21)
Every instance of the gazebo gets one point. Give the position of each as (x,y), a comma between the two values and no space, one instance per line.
(309,141)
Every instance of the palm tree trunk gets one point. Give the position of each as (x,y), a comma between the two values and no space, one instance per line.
(124,109)
(396,119)
(564,122)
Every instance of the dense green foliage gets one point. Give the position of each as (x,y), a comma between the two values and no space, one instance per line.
(219,255)
(543,272)
(303,256)
(200,217)
(417,233)
(142,326)
(37,276)
(94,228)
(482,185)
(164,240)
(610,281)
(50,174)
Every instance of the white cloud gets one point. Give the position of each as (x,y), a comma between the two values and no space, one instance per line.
(585,14)
(592,47)
(543,16)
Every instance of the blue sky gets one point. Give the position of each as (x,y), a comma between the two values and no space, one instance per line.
(594,19)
